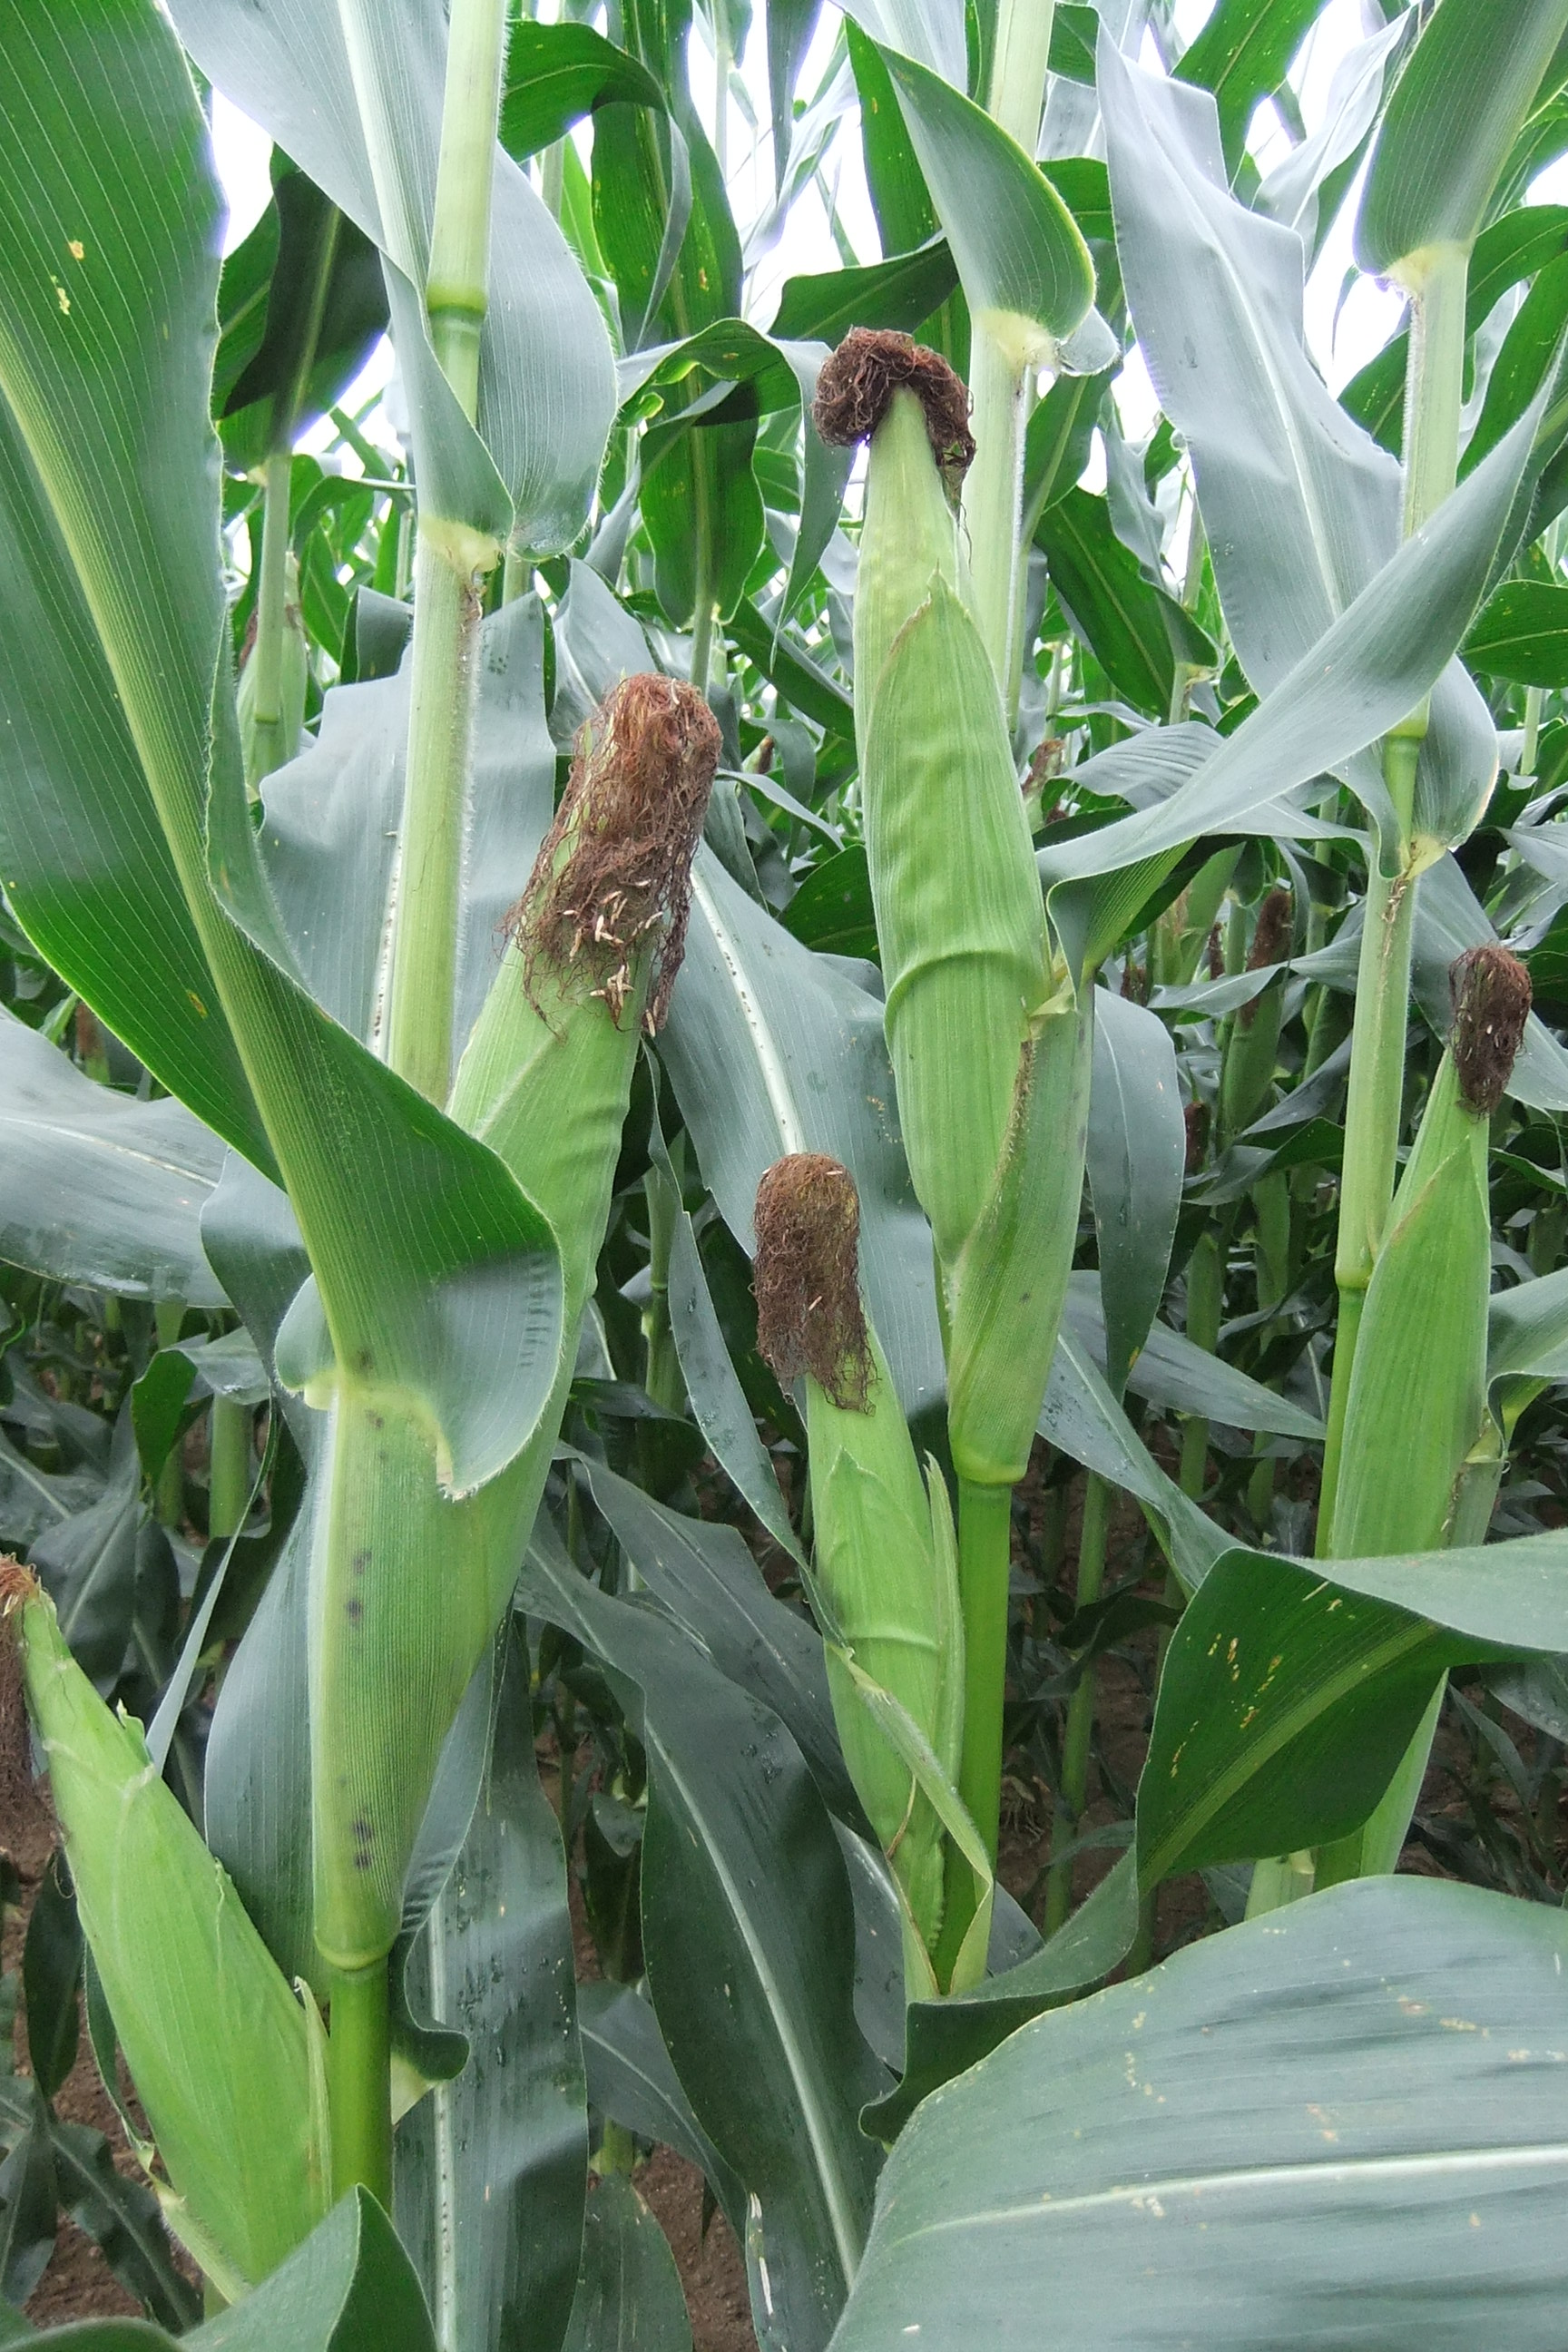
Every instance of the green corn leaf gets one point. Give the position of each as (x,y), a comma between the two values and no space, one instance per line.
(770,1050)
(705,1577)
(489,2168)
(218,2044)
(1022,261)
(1242,55)
(1135,1157)
(748,1931)
(630,2291)
(350,2288)
(101,1188)
(1522,633)
(1215,295)
(301,305)
(1369,665)
(545,388)
(555,74)
(900,292)
(632,2081)
(1174,2154)
(1456,112)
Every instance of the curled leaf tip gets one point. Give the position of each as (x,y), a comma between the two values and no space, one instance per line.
(858,381)
(614,874)
(1491,1004)
(807,1276)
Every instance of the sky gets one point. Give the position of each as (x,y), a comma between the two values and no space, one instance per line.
(1343,329)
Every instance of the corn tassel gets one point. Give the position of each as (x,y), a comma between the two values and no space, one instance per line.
(220,2050)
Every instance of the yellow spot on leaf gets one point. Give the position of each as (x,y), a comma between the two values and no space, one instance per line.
(76,248)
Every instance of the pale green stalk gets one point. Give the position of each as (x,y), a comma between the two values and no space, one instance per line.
(456,291)
(1433,388)
(372,1461)
(449,565)
(359,2061)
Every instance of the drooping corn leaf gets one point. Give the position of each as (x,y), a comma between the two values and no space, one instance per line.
(1216,292)
(770,1051)
(748,1933)
(101,1188)
(1456,109)
(545,394)
(1372,2068)
(629,2294)
(490,2167)
(1137,1150)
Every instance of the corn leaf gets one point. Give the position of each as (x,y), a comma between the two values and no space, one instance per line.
(1135,1160)
(489,2168)
(1174,2154)
(771,1051)
(748,1933)
(1019,251)
(1216,292)
(101,1188)
(629,2292)
(1456,112)
(545,384)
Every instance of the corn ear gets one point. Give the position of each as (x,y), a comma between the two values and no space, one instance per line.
(1006,1290)
(879,1573)
(959,917)
(909,537)
(1417,1395)
(885,1557)
(219,2048)
(1419,1446)
(408,1584)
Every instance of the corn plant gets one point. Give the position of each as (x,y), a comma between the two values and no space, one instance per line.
(684,1010)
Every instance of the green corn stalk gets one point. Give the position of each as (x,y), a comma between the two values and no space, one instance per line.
(226,2062)
(885,1560)
(1418,1445)
(596,944)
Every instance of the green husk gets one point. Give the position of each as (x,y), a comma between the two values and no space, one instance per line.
(594,945)
(1007,1287)
(1417,1393)
(885,1565)
(959,917)
(218,2044)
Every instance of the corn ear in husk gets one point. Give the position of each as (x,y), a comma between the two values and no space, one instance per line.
(219,2046)
(407,1583)
(886,1562)
(1006,1291)
(960,918)
(1416,1411)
